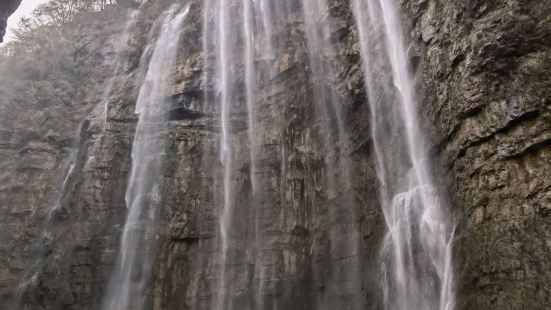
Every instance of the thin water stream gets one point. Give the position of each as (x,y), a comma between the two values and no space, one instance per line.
(281,199)
(344,277)
(33,271)
(31,275)
(416,255)
(129,283)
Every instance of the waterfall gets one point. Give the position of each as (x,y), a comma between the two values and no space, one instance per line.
(275,154)
(219,42)
(225,87)
(130,281)
(344,277)
(243,45)
(416,255)
(58,209)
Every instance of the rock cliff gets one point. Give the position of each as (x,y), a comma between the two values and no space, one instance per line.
(6,9)
(483,75)
(485,71)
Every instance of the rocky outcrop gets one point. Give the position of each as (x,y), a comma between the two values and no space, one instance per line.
(483,74)
(85,233)
(6,9)
(51,113)
(485,70)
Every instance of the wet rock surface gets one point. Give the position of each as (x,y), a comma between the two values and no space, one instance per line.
(6,9)
(483,75)
(485,70)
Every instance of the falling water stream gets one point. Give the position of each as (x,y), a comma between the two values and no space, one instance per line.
(224,45)
(32,272)
(344,277)
(416,257)
(249,35)
(129,283)
(243,39)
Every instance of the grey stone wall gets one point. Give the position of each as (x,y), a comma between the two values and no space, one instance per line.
(483,74)
(484,66)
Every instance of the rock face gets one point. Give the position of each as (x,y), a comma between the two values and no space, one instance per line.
(483,74)
(51,113)
(6,9)
(485,70)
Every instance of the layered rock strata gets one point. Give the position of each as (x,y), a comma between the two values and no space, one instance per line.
(482,71)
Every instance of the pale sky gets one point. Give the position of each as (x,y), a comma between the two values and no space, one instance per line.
(24,10)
